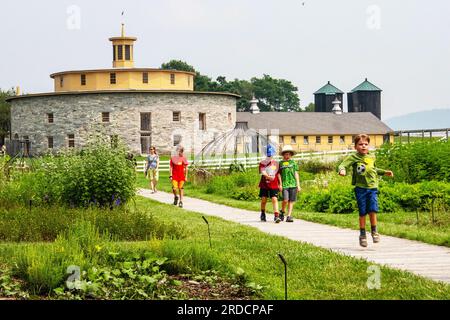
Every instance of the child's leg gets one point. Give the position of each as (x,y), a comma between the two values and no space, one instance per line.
(373,221)
(275,204)
(291,207)
(263,204)
(362,223)
(284,204)
(181,190)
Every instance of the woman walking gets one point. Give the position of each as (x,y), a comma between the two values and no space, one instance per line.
(152,168)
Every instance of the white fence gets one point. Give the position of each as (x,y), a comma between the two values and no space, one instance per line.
(251,162)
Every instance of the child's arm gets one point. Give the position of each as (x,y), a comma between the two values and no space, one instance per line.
(383,172)
(342,169)
(280,185)
(186,173)
(170,169)
(297,178)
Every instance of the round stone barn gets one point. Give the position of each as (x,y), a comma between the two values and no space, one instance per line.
(142,106)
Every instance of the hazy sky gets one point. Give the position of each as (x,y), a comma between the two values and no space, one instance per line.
(403,47)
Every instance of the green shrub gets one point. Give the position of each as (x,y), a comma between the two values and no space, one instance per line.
(98,175)
(248,193)
(317,165)
(416,162)
(342,200)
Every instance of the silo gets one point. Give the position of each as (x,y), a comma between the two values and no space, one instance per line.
(324,97)
(365,98)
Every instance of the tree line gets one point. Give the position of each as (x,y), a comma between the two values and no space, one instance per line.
(273,94)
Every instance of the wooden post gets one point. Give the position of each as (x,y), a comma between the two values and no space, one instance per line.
(446,134)
(423,135)
(408,136)
(400,135)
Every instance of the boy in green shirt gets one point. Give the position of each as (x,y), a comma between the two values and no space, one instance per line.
(365,180)
(290,182)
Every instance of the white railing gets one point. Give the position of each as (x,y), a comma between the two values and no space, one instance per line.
(250,162)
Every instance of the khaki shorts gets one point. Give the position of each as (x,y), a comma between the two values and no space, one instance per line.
(153,174)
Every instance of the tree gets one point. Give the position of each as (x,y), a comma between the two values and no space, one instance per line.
(201,82)
(276,94)
(273,94)
(5,115)
(310,107)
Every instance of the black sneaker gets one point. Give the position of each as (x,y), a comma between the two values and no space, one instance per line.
(281,215)
(276,218)
(263,217)
(180,204)
(175,201)
(289,219)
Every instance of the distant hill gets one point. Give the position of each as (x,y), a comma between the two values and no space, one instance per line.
(433,119)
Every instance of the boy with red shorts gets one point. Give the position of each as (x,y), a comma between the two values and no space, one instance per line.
(269,183)
(178,175)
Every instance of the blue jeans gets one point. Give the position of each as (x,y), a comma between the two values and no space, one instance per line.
(367,200)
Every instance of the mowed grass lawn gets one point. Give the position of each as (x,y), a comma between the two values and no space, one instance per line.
(399,224)
(314,273)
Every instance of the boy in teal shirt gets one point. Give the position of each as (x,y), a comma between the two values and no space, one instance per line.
(290,182)
(365,179)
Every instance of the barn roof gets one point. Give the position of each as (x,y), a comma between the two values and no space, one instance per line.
(315,123)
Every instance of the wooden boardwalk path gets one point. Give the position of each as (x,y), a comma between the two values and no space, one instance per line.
(426,260)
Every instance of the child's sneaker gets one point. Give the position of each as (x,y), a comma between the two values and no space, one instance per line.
(175,201)
(375,237)
(282,215)
(276,218)
(363,241)
(289,219)
(180,204)
(263,217)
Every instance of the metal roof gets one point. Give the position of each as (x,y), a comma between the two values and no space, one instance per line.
(366,86)
(315,123)
(328,89)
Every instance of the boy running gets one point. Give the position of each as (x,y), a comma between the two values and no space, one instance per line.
(269,185)
(365,180)
(178,175)
(290,182)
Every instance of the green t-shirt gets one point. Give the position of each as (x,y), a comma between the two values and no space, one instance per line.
(365,173)
(287,171)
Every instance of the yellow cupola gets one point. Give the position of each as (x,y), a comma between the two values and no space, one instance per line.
(123,50)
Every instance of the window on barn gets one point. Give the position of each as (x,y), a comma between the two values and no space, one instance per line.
(176,116)
(146,121)
(202,121)
(50,142)
(71,140)
(105,116)
(176,140)
(112,78)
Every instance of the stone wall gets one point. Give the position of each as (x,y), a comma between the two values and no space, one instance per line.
(81,115)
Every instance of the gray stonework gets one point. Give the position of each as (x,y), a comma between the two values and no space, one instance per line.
(81,115)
